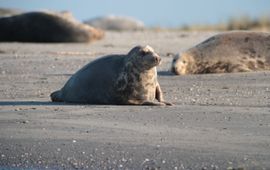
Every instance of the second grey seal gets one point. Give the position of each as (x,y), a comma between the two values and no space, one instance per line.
(236,51)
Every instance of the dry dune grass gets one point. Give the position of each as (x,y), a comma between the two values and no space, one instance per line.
(244,22)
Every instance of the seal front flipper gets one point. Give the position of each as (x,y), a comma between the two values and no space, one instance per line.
(56,96)
(147,103)
(167,103)
(159,96)
(151,103)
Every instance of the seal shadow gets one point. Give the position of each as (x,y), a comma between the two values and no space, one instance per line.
(31,103)
(49,103)
(165,73)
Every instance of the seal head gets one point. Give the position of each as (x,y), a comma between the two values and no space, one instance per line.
(182,64)
(143,58)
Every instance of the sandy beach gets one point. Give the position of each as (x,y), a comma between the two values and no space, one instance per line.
(218,121)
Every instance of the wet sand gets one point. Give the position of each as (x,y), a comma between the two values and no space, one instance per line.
(218,121)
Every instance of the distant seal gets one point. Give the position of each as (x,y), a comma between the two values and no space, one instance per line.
(4,12)
(116,79)
(46,27)
(236,51)
(116,23)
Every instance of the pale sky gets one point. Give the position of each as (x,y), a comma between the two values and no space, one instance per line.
(166,13)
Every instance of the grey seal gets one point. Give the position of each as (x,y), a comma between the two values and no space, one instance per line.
(116,23)
(46,27)
(235,51)
(116,79)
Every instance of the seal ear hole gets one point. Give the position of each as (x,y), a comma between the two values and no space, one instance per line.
(184,62)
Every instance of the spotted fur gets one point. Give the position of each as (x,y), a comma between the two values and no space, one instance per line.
(237,51)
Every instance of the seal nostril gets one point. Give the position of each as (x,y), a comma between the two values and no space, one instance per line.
(157,59)
(174,70)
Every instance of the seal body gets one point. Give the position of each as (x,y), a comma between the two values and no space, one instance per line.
(116,23)
(116,79)
(236,51)
(46,27)
(4,12)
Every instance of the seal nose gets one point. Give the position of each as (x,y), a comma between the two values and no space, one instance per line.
(158,59)
(173,70)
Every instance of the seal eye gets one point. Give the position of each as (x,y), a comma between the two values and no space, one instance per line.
(143,53)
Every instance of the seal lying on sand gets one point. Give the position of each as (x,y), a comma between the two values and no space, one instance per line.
(116,79)
(46,27)
(117,23)
(5,12)
(237,51)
